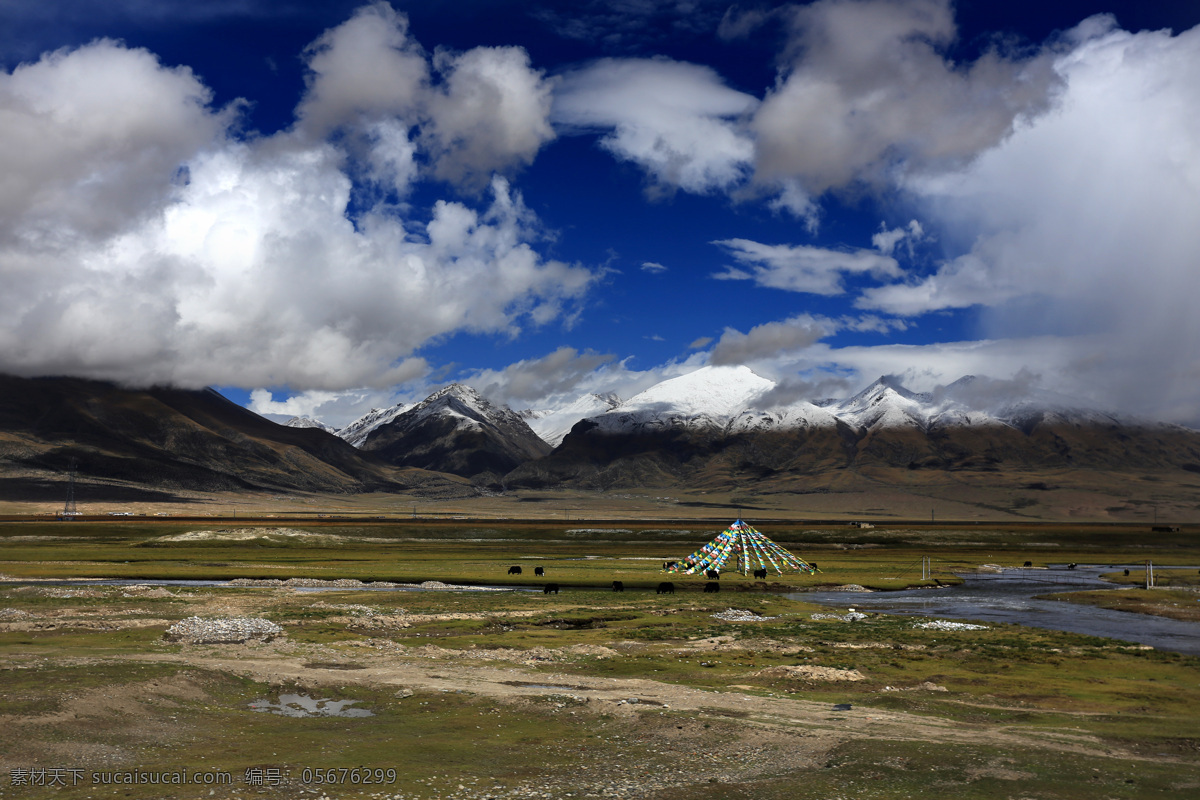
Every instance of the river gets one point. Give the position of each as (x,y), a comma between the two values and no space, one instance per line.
(1008,596)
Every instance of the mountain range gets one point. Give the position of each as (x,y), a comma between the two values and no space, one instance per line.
(159,441)
(721,427)
(717,428)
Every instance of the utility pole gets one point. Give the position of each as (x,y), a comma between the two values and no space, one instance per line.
(1149,574)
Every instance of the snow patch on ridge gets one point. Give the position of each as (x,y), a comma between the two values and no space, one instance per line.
(357,432)
(708,397)
(309,422)
(554,424)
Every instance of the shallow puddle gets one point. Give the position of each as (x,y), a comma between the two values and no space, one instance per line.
(553,687)
(301,705)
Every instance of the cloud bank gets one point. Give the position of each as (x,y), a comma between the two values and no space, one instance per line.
(1084,221)
(142,239)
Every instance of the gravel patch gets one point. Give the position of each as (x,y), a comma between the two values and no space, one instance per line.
(352,609)
(740,615)
(852,616)
(227,630)
(946,625)
(809,672)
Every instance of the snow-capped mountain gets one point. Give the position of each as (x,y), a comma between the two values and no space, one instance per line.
(457,430)
(885,403)
(736,400)
(357,432)
(553,424)
(710,397)
(309,422)
(722,427)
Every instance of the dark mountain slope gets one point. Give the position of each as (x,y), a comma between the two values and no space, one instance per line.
(174,439)
(456,430)
(711,459)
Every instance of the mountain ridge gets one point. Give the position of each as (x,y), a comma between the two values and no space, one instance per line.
(457,430)
(885,427)
(178,439)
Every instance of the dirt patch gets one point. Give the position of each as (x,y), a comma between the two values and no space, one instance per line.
(82,624)
(808,672)
(117,715)
(728,644)
(261,535)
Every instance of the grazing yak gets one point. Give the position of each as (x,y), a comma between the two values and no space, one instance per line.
(712,575)
(1072,565)
(550,588)
(760,573)
(618,586)
(711,588)
(539,571)
(514,570)
(666,587)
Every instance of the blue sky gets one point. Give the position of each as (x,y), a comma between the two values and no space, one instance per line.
(324,207)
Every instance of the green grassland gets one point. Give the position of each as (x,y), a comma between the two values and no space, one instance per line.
(580,554)
(481,694)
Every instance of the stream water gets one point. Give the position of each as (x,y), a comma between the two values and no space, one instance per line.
(1009,596)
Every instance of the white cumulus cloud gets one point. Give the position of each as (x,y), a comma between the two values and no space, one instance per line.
(93,137)
(556,375)
(366,69)
(865,91)
(142,240)
(770,340)
(678,121)
(490,113)
(803,268)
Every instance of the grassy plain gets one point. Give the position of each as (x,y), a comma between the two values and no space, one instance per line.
(520,694)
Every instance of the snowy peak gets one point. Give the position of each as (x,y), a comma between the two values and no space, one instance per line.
(459,431)
(553,425)
(466,406)
(708,397)
(716,391)
(736,400)
(886,403)
(357,432)
(309,422)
